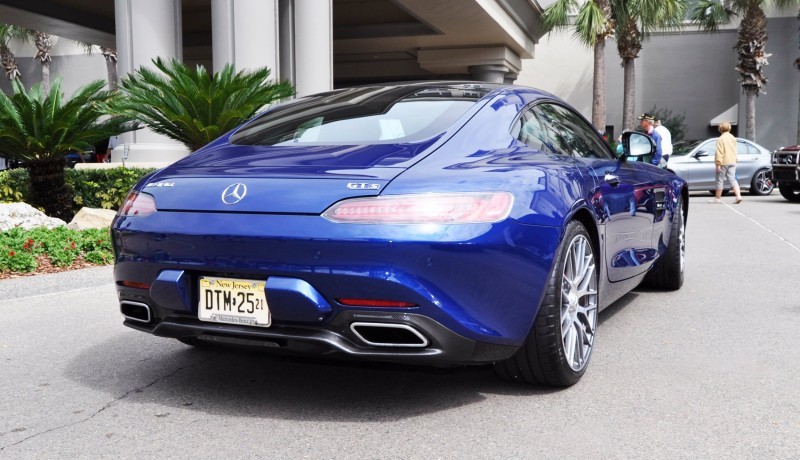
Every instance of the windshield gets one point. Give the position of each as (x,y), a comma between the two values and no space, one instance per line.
(366,115)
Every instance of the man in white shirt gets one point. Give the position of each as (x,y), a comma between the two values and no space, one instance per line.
(666,140)
(113,141)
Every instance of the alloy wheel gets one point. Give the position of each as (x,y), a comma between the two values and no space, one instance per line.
(763,183)
(578,302)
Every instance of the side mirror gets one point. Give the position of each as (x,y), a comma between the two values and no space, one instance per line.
(636,145)
(700,154)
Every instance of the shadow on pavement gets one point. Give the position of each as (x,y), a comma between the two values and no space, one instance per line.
(256,384)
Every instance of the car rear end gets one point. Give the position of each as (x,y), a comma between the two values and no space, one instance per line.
(294,247)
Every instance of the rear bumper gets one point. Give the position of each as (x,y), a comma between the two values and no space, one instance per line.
(475,289)
(443,348)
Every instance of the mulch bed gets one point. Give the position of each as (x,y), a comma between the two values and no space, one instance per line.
(45,266)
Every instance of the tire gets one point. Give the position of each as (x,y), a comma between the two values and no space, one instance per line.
(761,184)
(667,274)
(789,192)
(552,354)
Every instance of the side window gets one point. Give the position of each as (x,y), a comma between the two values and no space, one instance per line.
(579,136)
(530,131)
(535,131)
(742,148)
(709,147)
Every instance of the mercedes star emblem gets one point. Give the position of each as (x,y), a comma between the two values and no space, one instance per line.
(234,193)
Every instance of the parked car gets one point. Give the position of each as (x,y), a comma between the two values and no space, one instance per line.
(433,223)
(70,160)
(73,158)
(694,161)
(786,171)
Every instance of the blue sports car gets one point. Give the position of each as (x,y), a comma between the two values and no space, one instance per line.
(441,223)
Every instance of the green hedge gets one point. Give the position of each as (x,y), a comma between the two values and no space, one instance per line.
(93,188)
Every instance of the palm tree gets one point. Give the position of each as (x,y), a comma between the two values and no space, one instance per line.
(593,24)
(191,106)
(110,55)
(43,46)
(8,33)
(751,45)
(39,129)
(636,20)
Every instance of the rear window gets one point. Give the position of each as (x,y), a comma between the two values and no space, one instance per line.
(367,115)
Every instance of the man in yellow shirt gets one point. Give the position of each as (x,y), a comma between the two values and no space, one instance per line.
(725,159)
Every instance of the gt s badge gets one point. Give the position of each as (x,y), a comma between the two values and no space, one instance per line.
(362,186)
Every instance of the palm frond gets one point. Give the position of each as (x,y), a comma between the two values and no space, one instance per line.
(708,15)
(192,106)
(39,127)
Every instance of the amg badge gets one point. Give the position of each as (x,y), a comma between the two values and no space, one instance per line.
(362,186)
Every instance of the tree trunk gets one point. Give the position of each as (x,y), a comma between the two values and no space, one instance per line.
(46,77)
(751,93)
(49,189)
(629,94)
(599,86)
(111,69)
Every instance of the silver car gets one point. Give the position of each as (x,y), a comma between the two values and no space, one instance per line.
(694,161)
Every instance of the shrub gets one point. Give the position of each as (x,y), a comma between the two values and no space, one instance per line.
(14,185)
(674,123)
(103,188)
(94,188)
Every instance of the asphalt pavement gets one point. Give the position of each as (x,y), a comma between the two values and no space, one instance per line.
(709,371)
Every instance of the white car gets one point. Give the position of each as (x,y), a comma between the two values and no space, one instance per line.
(694,161)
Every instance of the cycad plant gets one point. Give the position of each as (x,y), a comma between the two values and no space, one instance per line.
(191,106)
(39,129)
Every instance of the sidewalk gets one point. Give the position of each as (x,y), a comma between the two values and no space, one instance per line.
(55,283)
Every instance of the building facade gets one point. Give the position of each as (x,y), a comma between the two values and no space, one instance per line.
(322,44)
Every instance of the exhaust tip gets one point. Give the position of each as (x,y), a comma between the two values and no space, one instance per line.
(135,311)
(389,335)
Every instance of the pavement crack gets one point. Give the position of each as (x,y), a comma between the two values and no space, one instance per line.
(111,403)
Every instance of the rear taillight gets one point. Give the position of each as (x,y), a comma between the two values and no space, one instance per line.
(455,208)
(138,204)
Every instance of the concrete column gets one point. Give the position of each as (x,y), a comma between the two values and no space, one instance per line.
(245,34)
(490,73)
(146,29)
(313,20)
(493,63)
(286,40)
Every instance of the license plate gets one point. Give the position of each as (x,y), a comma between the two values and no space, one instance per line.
(233,301)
